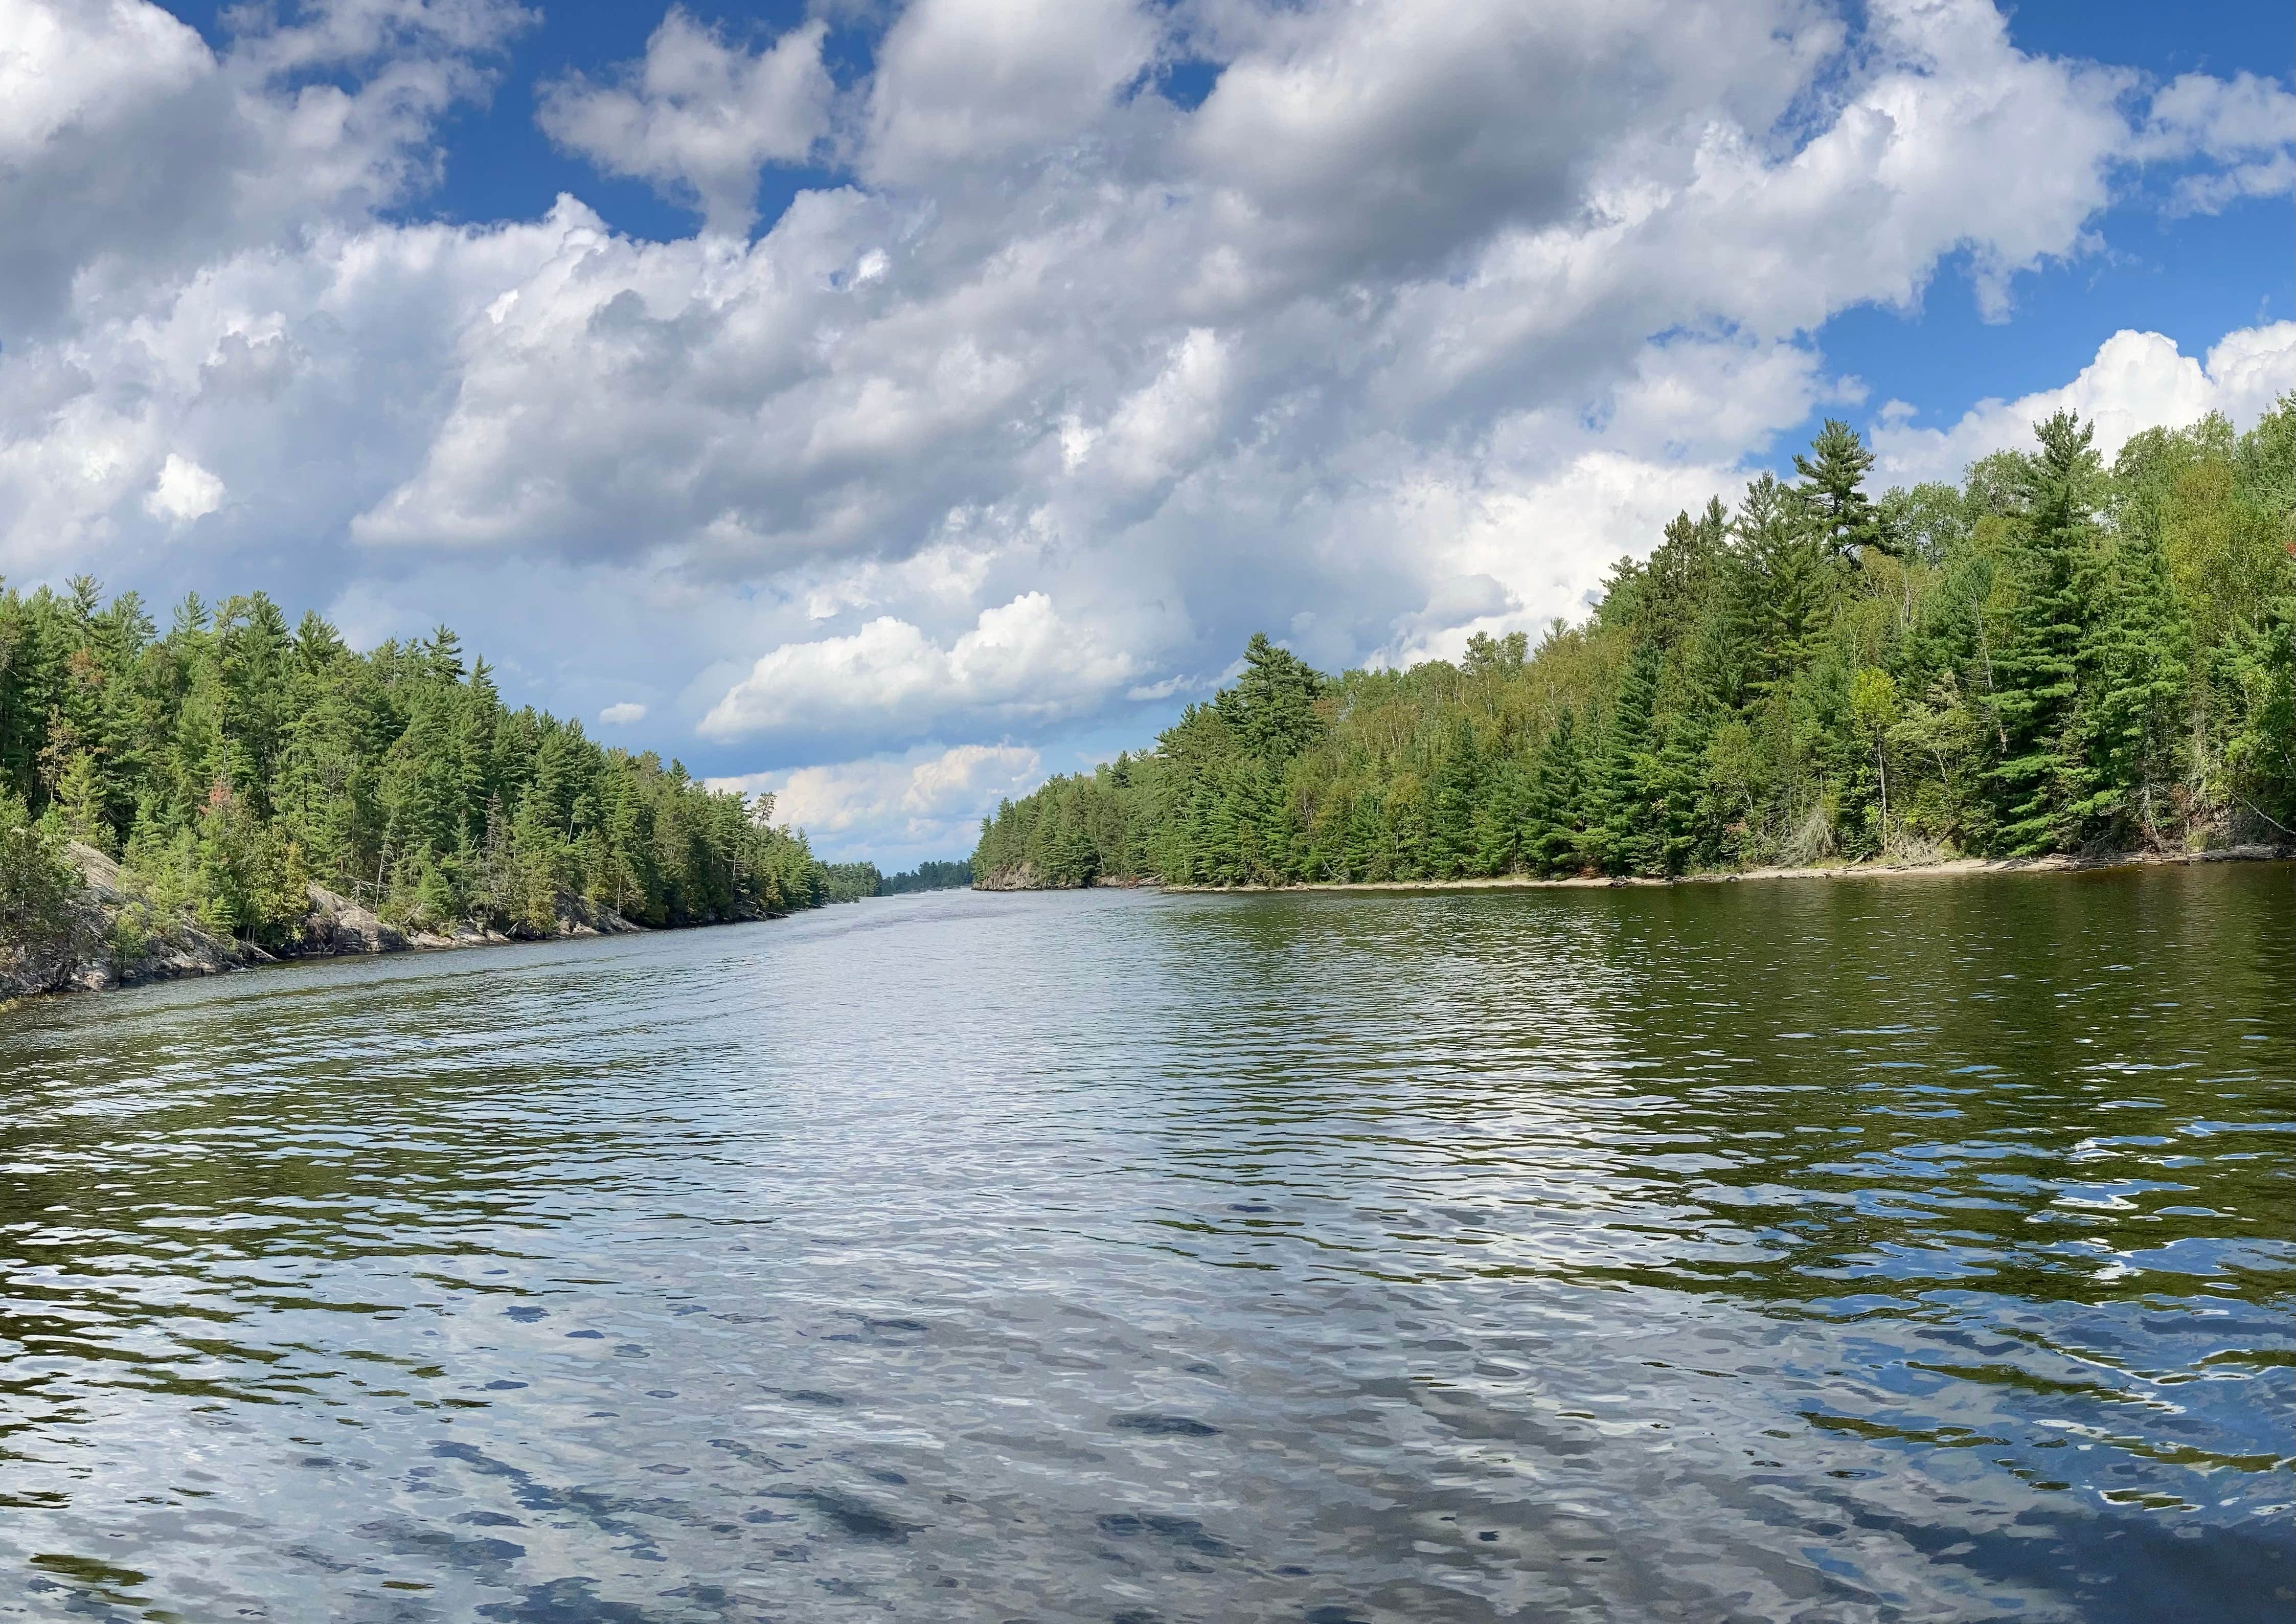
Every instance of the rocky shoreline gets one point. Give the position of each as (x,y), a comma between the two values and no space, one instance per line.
(98,953)
(1025,879)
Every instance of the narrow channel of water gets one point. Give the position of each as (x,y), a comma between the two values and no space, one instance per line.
(1897,1250)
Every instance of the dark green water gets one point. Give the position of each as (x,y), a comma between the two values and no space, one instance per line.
(1891,1250)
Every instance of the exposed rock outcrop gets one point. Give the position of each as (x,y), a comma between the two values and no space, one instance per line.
(1025,878)
(336,925)
(114,936)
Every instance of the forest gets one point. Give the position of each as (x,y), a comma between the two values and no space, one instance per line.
(927,877)
(851,881)
(234,760)
(2054,655)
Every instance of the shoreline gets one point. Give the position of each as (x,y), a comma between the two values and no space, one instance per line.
(334,927)
(204,955)
(2053,864)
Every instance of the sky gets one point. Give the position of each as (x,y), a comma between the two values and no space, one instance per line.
(890,405)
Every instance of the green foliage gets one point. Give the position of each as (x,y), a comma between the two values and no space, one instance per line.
(2040,774)
(133,928)
(928,876)
(2050,657)
(1271,708)
(851,881)
(1833,492)
(38,885)
(235,760)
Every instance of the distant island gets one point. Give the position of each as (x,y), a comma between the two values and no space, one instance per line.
(2053,657)
(237,789)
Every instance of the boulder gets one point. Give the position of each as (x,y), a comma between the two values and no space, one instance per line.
(337,924)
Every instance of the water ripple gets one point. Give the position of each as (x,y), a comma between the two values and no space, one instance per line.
(1890,1251)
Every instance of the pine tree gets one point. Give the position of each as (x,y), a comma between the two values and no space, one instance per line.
(2259,667)
(1623,834)
(2135,666)
(1831,494)
(2040,777)
(1451,816)
(1554,834)
(1667,784)
(1271,708)
(1786,584)
(1276,833)
(2019,677)
(1499,814)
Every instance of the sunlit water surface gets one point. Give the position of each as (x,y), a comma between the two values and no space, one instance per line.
(1911,1248)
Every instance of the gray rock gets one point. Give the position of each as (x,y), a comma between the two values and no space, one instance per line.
(336,925)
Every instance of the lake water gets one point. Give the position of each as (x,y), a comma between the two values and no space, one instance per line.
(1891,1250)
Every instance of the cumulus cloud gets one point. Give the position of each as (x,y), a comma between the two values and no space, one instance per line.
(700,117)
(131,154)
(2246,125)
(924,803)
(1019,661)
(1118,326)
(970,83)
(623,714)
(1057,387)
(184,491)
(2138,381)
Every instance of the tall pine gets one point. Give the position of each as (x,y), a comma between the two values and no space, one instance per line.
(2040,777)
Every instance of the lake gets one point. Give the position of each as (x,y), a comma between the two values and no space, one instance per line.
(1912,1248)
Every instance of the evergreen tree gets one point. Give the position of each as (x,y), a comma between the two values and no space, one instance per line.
(1451,821)
(1784,585)
(1553,829)
(1271,708)
(1498,820)
(2136,667)
(1624,835)
(2040,777)
(2049,657)
(1370,843)
(235,762)
(1832,496)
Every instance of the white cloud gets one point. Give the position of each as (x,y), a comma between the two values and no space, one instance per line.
(924,803)
(1019,662)
(1184,294)
(2138,381)
(131,155)
(87,65)
(2246,125)
(1394,135)
(184,491)
(623,714)
(1418,322)
(700,117)
(1161,427)
(972,82)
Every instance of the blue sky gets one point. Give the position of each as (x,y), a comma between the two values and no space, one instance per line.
(1027,355)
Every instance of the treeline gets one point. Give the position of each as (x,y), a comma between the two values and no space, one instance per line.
(234,761)
(851,881)
(927,877)
(2052,657)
